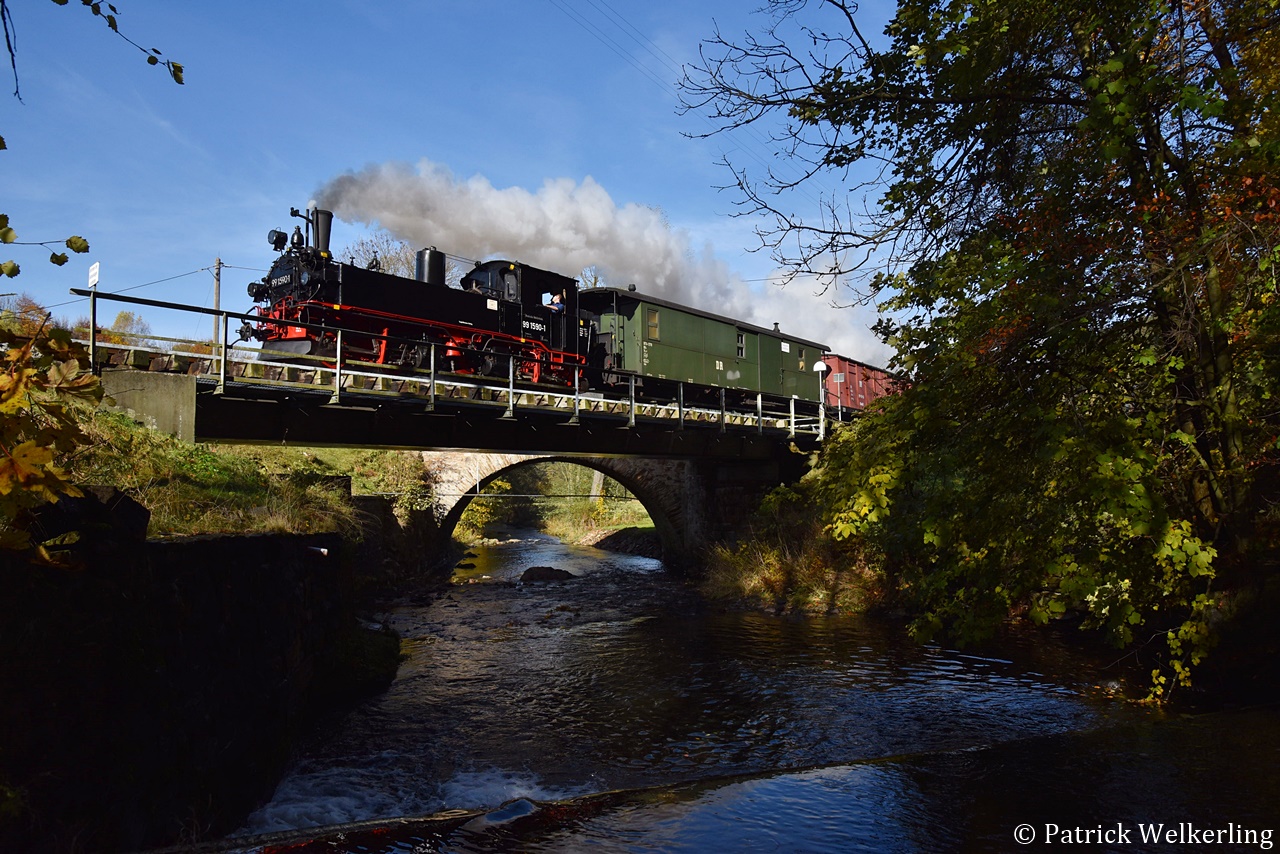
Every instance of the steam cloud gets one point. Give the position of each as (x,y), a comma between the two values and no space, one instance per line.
(567,226)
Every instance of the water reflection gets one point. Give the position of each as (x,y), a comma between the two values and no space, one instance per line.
(742,730)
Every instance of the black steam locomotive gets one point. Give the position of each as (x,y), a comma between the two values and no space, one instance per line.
(499,311)
(509,316)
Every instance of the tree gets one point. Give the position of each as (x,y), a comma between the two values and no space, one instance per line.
(128,328)
(21,314)
(1076,244)
(75,243)
(592,277)
(381,251)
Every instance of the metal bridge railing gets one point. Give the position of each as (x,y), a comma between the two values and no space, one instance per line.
(346,379)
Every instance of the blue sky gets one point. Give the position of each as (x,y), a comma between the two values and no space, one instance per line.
(548,127)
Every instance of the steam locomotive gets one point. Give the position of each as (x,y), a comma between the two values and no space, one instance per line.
(506,315)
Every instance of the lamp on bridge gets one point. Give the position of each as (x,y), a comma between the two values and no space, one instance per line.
(821,368)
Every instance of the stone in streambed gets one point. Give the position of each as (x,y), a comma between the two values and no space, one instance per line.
(546,573)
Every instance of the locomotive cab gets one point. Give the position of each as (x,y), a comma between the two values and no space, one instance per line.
(526,302)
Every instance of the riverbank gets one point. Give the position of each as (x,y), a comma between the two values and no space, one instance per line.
(633,540)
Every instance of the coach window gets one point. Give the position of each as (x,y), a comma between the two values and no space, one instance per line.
(651,321)
(742,346)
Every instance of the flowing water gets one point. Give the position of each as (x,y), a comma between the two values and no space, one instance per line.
(617,712)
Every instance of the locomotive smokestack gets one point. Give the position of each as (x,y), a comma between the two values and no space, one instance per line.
(428,266)
(323,225)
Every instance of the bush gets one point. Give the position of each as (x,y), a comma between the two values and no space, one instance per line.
(790,563)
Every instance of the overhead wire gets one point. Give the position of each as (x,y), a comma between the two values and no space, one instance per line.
(756,138)
(650,46)
(608,42)
(136,287)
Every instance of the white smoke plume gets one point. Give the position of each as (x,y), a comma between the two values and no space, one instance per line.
(567,226)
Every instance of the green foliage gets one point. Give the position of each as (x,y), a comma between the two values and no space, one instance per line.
(586,520)
(581,503)
(788,562)
(483,512)
(13,804)
(1084,220)
(153,55)
(372,471)
(571,502)
(400,474)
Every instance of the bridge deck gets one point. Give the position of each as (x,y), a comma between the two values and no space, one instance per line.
(362,383)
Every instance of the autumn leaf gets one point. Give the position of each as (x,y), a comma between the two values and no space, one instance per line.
(24,466)
(15,387)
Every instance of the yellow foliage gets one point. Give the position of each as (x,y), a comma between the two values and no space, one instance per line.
(41,381)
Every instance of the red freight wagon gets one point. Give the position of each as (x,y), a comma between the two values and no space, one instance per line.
(850,385)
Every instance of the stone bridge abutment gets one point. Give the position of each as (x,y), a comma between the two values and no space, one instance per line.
(692,502)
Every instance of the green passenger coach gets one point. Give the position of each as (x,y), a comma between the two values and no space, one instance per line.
(652,337)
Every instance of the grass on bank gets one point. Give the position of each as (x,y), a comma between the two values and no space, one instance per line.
(200,489)
(584,519)
(788,563)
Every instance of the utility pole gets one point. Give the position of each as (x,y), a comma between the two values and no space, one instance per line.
(217,301)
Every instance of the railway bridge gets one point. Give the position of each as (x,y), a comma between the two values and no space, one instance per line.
(699,460)
(691,502)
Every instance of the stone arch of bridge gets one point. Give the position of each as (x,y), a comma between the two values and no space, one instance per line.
(659,486)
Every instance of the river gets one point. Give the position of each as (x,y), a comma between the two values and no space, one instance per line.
(618,712)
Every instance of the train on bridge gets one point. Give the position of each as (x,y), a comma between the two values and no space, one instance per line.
(511,317)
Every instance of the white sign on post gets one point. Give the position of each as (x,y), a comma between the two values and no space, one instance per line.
(93,275)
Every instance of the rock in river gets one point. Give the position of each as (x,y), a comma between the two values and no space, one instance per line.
(546,573)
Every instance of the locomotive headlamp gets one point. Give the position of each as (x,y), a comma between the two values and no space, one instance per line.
(277,239)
